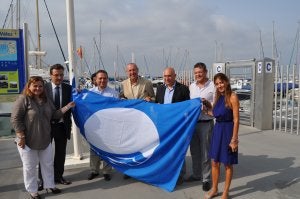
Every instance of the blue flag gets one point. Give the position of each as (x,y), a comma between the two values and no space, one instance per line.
(144,140)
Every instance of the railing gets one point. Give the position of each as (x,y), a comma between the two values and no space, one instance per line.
(286,109)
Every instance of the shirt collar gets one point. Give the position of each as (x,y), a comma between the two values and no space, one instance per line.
(54,85)
(172,86)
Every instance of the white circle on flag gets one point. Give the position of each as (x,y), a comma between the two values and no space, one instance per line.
(122,131)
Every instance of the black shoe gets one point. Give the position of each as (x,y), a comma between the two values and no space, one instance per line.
(40,186)
(179,180)
(63,181)
(37,196)
(54,190)
(92,175)
(192,179)
(125,177)
(206,186)
(107,177)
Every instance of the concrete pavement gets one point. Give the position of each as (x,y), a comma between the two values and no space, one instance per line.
(269,168)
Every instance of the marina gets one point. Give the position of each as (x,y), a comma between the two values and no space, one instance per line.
(150,35)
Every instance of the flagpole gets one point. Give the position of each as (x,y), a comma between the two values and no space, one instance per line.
(72,67)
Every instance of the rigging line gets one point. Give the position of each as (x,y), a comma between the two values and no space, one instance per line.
(87,65)
(146,63)
(99,53)
(61,50)
(176,57)
(122,60)
(31,39)
(182,60)
(7,14)
(95,45)
(296,39)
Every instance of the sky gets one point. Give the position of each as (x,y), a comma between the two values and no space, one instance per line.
(160,33)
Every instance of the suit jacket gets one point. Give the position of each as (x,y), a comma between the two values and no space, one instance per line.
(145,89)
(181,93)
(66,98)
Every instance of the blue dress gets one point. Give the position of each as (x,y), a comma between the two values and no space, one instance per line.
(222,134)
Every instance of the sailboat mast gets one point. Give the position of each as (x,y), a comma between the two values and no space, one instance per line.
(132,58)
(18,15)
(38,58)
(262,54)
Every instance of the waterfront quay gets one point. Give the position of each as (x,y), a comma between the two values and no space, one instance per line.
(269,168)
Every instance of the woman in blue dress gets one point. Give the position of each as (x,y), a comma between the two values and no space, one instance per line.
(224,141)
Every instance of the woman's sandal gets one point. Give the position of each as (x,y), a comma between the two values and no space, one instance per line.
(227,196)
(210,196)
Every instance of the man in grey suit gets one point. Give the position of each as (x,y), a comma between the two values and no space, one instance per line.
(60,93)
(170,92)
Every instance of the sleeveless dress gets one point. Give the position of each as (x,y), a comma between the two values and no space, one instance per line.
(222,134)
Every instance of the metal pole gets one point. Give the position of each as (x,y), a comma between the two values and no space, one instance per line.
(72,66)
(26,49)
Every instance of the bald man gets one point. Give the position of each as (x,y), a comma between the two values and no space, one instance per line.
(170,92)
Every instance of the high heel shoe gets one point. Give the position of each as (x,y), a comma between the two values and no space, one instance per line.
(54,190)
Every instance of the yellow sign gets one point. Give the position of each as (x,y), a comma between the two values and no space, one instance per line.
(9,82)
(9,33)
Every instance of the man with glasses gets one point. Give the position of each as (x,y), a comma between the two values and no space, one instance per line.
(60,93)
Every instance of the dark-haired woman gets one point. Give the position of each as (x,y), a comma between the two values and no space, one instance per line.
(224,141)
(30,119)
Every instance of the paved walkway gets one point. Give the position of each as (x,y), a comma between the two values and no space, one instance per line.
(269,168)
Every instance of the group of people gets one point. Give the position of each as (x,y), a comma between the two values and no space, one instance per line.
(40,116)
(215,139)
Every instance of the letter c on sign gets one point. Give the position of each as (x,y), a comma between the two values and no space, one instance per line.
(268,67)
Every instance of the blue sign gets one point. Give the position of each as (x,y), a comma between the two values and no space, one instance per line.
(12,67)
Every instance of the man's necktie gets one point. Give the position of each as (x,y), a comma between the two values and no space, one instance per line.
(57,98)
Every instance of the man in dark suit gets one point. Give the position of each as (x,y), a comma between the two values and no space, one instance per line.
(170,92)
(60,93)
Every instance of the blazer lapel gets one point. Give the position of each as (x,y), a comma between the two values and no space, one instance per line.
(49,91)
(175,92)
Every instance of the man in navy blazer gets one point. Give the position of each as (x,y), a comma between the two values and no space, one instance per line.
(60,129)
(170,92)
